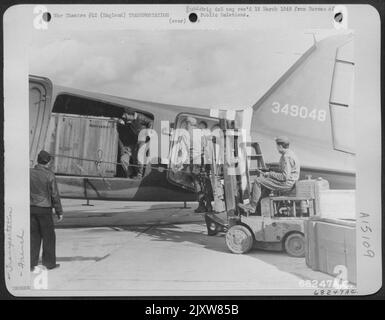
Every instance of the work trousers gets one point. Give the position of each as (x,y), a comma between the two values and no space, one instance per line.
(202,185)
(195,170)
(43,231)
(125,160)
(140,158)
(263,186)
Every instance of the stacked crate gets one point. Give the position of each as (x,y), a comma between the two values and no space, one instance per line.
(331,247)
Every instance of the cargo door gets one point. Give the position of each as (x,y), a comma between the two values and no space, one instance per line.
(179,156)
(40,95)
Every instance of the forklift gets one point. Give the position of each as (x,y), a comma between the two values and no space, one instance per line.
(278,223)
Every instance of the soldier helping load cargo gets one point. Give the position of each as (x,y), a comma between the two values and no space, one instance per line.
(204,175)
(195,164)
(284,180)
(136,122)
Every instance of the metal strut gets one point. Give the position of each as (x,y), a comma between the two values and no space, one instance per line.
(85,181)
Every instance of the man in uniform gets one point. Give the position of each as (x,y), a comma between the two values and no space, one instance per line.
(137,122)
(44,196)
(204,176)
(283,180)
(195,162)
(186,139)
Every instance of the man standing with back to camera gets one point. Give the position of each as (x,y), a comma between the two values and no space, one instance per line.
(44,196)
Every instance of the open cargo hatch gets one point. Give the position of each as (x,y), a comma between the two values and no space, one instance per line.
(40,95)
(179,155)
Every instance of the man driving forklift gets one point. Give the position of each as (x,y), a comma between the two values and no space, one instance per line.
(283,180)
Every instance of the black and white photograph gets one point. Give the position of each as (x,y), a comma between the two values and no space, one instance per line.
(192,150)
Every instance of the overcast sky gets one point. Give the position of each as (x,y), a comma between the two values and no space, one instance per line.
(189,68)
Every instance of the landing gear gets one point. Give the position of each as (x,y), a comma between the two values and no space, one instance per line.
(239,239)
(295,245)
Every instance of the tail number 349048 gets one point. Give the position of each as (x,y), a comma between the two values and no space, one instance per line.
(297,111)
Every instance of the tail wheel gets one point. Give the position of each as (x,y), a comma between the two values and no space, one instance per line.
(239,239)
(295,245)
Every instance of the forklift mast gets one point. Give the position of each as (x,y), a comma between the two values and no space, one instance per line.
(232,172)
(238,167)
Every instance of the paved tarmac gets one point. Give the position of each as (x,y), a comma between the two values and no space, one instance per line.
(128,248)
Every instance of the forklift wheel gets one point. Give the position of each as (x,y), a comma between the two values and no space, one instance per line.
(295,245)
(213,227)
(239,239)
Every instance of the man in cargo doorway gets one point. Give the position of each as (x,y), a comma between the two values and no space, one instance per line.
(206,161)
(136,122)
(283,180)
(44,196)
(195,162)
(126,159)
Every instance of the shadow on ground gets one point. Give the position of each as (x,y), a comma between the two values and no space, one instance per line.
(81,258)
(175,233)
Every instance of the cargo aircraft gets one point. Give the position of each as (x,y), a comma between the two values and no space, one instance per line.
(312,104)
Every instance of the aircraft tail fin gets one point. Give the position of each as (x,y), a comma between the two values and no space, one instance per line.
(312,97)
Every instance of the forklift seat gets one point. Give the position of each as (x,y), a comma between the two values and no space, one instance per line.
(283,193)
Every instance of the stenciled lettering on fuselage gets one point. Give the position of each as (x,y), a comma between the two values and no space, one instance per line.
(296,111)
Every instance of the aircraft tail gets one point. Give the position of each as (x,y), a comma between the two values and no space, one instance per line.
(312,104)
(312,98)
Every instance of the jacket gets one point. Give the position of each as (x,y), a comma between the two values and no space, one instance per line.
(289,168)
(43,189)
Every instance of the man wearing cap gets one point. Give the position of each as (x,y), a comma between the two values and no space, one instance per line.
(44,196)
(137,122)
(195,160)
(283,180)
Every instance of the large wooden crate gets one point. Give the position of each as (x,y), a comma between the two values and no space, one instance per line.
(330,246)
(74,140)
